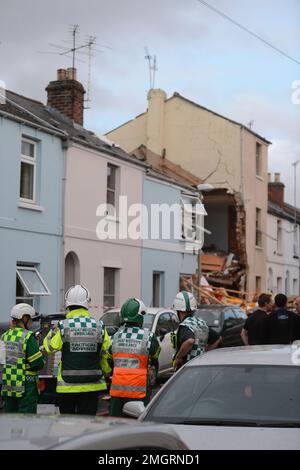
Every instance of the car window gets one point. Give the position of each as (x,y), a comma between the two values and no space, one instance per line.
(164,322)
(235,393)
(230,318)
(241,315)
(229,314)
(212,317)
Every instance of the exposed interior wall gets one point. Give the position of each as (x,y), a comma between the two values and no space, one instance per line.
(216,222)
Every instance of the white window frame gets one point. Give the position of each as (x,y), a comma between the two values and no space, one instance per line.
(114,190)
(32,293)
(196,217)
(258,228)
(33,162)
(258,159)
(114,270)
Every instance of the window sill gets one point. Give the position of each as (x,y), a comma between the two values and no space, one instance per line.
(258,247)
(260,178)
(33,207)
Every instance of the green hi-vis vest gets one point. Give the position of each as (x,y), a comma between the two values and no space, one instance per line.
(14,369)
(201,331)
(82,339)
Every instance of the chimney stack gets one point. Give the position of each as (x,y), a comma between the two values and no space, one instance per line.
(276,191)
(66,95)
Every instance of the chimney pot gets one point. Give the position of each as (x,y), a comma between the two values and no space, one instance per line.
(61,74)
(277,177)
(71,74)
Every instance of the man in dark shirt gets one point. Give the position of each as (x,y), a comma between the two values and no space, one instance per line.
(282,326)
(254,331)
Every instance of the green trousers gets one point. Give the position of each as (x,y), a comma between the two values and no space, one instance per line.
(25,404)
(116,404)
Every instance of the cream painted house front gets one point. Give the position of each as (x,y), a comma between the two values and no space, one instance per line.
(224,153)
(110,269)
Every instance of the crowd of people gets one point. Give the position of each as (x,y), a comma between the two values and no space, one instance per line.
(92,364)
(273,322)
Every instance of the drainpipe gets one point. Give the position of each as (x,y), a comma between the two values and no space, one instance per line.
(242,192)
(241,163)
(65,146)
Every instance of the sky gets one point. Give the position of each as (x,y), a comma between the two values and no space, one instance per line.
(199,54)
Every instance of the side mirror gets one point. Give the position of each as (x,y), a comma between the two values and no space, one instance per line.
(134,409)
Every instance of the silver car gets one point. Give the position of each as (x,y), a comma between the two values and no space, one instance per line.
(235,398)
(161,321)
(36,432)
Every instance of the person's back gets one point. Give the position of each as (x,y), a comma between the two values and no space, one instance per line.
(255,326)
(134,349)
(254,330)
(282,325)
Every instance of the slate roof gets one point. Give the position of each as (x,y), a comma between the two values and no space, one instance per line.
(38,115)
(286,212)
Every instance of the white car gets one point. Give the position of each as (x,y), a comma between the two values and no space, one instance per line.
(161,321)
(67,432)
(235,398)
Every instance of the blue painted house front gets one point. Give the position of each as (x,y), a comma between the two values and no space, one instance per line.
(166,259)
(31,208)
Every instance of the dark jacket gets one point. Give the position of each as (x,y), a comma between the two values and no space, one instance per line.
(282,327)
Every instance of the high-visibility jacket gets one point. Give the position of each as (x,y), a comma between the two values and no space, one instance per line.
(84,344)
(130,352)
(17,365)
(201,332)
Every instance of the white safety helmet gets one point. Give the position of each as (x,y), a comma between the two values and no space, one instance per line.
(78,296)
(19,310)
(185,302)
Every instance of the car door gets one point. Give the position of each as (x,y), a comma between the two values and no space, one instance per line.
(164,327)
(231,330)
(241,318)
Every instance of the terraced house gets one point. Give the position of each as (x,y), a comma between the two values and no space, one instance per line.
(228,155)
(31,208)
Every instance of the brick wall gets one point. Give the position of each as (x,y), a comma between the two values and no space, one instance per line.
(66,95)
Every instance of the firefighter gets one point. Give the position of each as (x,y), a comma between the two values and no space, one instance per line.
(84,344)
(134,350)
(22,361)
(194,337)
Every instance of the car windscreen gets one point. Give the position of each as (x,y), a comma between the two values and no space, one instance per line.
(111,319)
(211,317)
(239,395)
